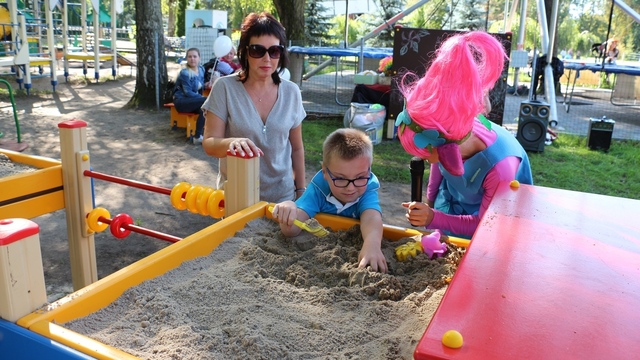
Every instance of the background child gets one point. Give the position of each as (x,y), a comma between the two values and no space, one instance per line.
(188,91)
(469,155)
(345,186)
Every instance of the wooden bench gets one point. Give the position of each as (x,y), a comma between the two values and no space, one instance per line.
(183,120)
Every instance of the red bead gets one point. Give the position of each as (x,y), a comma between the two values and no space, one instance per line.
(117,224)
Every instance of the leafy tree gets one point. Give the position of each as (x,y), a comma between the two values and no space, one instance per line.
(316,24)
(291,14)
(472,16)
(180,20)
(151,71)
(238,9)
(531,31)
(431,15)
(386,10)
(633,42)
(336,33)
(125,18)
(171,18)
(567,36)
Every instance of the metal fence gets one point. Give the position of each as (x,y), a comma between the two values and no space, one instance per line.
(329,94)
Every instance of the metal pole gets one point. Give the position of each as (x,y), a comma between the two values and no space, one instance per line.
(65,37)
(155,58)
(544,28)
(114,40)
(512,14)
(48,8)
(486,17)
(346,24)
(373,33)
(549,88)
(624,7)
(520,43)
(506,11)
(451,16)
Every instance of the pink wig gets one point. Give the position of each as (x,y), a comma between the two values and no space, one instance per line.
(452,92)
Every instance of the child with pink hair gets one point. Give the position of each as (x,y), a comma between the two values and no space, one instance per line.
(443,123)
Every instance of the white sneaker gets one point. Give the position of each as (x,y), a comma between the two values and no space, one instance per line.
(198,140)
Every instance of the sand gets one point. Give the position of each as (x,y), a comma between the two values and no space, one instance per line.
(258,295)
(262,296)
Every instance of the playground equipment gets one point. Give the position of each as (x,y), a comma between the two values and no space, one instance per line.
(95,54)
(202,28)
(19,145)
(531,280)
(19,44)
(67,184)
(40,192)
(5,18)
(12,23)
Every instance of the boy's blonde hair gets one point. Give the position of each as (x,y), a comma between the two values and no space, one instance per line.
(347,144)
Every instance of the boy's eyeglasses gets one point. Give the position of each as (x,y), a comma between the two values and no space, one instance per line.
(343,183)
(258,51)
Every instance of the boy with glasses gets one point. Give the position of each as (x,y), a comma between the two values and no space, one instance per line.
(345,186)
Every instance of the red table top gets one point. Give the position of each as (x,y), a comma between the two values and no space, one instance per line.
(549,274)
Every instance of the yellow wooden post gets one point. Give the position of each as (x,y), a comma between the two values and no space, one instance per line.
(22,288)
(78,201)
(242,188)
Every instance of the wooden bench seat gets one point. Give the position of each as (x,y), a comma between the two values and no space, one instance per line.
(183,120)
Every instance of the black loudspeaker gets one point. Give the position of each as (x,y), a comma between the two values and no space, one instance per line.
(532,125)
(599,134)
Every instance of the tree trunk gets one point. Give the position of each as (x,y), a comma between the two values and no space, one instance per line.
(151,78)
(291,14)
(171,21)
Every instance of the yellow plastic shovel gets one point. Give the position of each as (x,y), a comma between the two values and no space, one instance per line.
(310,225)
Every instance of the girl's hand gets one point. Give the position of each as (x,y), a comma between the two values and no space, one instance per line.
(418,213)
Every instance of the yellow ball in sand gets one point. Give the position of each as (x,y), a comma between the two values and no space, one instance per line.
(452,339)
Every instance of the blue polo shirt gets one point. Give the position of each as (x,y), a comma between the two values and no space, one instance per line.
(318,198)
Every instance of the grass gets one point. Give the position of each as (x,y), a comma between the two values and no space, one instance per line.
(566,164)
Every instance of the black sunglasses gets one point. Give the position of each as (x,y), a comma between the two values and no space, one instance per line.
(258,51)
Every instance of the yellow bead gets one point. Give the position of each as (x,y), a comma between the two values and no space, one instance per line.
(452,339)
(514,184)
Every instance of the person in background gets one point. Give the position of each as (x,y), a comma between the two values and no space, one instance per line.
(230,59)
(442,123)
(187,96)
(254,112)
(345,186)
(223,66)
(612,54)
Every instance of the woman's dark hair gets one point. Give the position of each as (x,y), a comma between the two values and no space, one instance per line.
(255,25)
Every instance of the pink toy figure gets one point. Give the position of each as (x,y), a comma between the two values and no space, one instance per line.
(431,244)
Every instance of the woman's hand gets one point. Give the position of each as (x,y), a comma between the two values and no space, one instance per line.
(244,147)
(212,80)
(418,213)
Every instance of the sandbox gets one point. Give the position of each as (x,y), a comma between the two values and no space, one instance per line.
(276,273)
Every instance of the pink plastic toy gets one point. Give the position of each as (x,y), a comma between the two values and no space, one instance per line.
(431,244)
